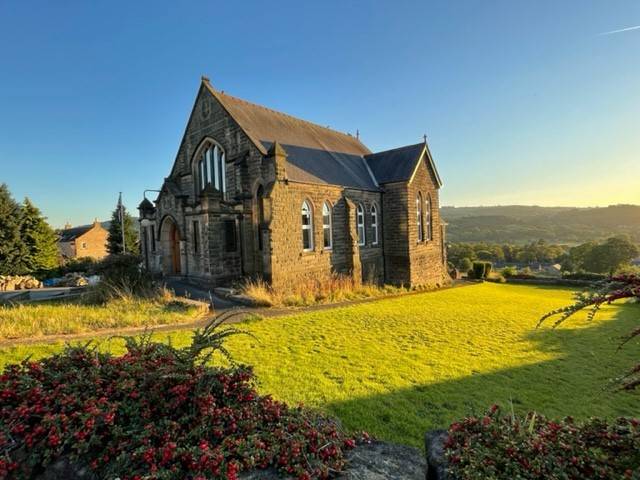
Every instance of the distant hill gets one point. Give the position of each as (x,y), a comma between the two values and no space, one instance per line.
(522,224)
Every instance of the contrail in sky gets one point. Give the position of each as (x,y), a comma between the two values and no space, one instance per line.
(637,27)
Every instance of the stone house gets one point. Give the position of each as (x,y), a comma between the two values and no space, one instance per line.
(83,241)
(257,193)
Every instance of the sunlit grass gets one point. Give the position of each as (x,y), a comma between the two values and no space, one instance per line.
(400,366)
(34,320)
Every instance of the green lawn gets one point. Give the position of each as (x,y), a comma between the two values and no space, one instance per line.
(61,318)
(400,366)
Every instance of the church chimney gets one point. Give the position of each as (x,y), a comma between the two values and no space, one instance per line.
(279,157)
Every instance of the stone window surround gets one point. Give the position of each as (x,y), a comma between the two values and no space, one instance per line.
(211,167)
(327,212)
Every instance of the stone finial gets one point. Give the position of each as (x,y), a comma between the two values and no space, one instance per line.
(205,79)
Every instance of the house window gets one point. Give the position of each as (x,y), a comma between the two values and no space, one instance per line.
(374,223)
(327,226)
(196,236)
(212,168)
(419,217)
(429,219)
(307,227)
(83,245)
(360,224)
(230,238)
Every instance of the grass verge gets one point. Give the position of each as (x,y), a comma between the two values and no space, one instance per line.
(56,318)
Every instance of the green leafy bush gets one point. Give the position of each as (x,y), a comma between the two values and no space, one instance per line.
(481,270)
(584,276)
(122,276)
(536,448)
(156,412)
(509,272)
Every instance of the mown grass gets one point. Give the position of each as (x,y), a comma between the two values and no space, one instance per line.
(397,367)
(56,318)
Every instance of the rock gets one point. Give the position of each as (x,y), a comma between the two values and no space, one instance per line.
(18,282)
(374,461)
(436,459)
(65,469)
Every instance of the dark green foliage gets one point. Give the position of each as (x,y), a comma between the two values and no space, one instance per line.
(465,264)
(114,239)
(498,446)
(121,276)
(481,270)
(12,248)
(531,253)
(592,277)
(610,255)
(40,240)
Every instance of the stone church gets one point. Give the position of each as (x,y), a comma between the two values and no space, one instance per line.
(257,193)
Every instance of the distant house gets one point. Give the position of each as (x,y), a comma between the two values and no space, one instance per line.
(84,241)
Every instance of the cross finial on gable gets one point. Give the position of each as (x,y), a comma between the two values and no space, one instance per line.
(425,138)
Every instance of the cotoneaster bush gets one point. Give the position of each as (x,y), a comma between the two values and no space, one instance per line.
(500,446)
(156,412)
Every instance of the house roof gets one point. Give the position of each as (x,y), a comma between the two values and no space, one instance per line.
(71,234)
(395,165)
(399,164)
(317,154)
(266,125)
(312,165)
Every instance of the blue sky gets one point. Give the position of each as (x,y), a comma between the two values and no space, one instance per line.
(522,102)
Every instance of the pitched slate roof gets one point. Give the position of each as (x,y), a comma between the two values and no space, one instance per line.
(398,164)
(71,234)
(311,165)
(317,154)
(395,165)
(266,125)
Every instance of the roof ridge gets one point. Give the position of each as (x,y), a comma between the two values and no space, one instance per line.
(397,148)
(278,112)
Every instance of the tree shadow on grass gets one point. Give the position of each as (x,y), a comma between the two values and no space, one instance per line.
(576,382)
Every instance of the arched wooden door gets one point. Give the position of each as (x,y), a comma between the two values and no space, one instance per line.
(175,249)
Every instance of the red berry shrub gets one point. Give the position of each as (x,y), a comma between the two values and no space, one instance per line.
(503,446)
(155,413)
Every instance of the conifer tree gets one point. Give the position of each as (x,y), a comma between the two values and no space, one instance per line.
(12,247)
(114,239)
(39,238)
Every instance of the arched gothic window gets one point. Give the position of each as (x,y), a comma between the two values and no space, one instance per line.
(429,219)
(327,226)
(419,217)
(307,226)
(360,224)
(374,224)
(212,168)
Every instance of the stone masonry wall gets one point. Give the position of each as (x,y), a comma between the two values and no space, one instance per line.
(288,260)
(92,244)
(427,261)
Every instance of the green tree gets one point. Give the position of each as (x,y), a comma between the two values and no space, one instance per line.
(610,255)
(39,238)
(12,247)
(464,265)
(114,239)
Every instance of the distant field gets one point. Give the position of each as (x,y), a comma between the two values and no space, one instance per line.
(400,366)
(522,224)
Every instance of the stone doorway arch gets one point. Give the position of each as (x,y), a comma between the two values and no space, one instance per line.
(170,241)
